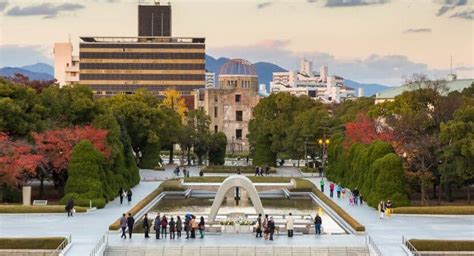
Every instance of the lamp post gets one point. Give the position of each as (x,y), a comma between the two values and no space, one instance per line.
(324,142)
(232,145)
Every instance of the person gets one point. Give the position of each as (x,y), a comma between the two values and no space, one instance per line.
(355,192)
(123,226)
(146,225)
(388,209)
(201,227)
(187,227)
(289,225)
(265,227)
(261,171)
(129,196)
(164,225)
(259,226)
(157,226)
(271,227)
(184,172)
(331,189)
(267,170)
(317,224)
(343,193)
(172,225)
(257,171)
(351,200)
(321,184)
(70,207)
(130,224)
(201,173)
(361,199)
(179,226)
(338,190)
(121,194)
(193,225)
(381,209)
(320,172)
(238,171)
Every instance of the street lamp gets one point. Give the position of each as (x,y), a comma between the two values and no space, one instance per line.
(324,142)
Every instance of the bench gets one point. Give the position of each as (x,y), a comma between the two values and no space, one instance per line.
(40,202)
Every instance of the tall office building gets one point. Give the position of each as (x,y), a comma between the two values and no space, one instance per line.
(154,20)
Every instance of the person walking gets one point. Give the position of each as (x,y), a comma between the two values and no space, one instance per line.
(146,225)
(164,225)
(388,209)
(265,227)
(317,224)
(257,172)
(123,226)
(361,199)
(172,225)
(157,226)
(267,170)
(202,227)
(184,173)
(70,207)
(121,194)
(129,196)
(355,192)
(381,209)
(271,227)
(331,189)
(289,225)
(261,171)
(193,225)
(179,226)
(343,193)
(130,224)
(321,184)
(338,190)
(259,226)
(187,227)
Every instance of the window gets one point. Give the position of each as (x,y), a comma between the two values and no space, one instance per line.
(237,97)
(238,115)
(215,111)
(216,128)
(238,134)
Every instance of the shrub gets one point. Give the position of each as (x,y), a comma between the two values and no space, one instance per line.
(309,169)
(389,184)
(36,209)
(302,185)
(343,214)
(151,157)
(443,245)
(171,185)
(37,243)
(232,169)
(441,210)
(217,147)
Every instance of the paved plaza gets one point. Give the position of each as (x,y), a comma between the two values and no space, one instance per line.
(86,229)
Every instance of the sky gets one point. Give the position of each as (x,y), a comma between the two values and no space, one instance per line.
(369,41)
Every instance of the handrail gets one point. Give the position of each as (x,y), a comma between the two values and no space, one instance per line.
(62,245)
(410,247)
(100,245)
(371,244)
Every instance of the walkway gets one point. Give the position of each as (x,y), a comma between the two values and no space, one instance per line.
(387,233)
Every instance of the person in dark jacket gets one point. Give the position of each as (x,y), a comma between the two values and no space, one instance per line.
(271,228)
(164,225)
(179,226)
(317,224)
(129,196)
(130,224)
(121,195)
(187,229)
(172,225)
(259,226)
(146,225)
(123,226)
(157,226)
(201,227)
(355,192)
(70,207)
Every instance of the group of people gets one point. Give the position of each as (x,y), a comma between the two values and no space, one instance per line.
(267,226)
(162,226)
(125,194)
(177,172)
(355,197)
(385,209)
(259,171)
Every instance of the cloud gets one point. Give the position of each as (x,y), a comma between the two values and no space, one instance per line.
(383,69)
(347,3)
(47,10)
(449,5)
(417,30)
(3,5)
(20,55)
(469,14)
(264,5)
(311,1)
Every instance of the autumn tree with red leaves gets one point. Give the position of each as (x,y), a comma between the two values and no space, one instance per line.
(364,130)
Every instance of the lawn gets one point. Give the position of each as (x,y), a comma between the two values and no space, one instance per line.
(443,245)
(15,208)
(40,243)
(435,210)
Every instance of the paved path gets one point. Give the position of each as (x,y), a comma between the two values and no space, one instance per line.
(387,233)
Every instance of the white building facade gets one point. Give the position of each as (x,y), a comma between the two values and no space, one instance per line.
(66,66)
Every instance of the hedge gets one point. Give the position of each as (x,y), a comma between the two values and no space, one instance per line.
(255,179)
(172,185)
(303,185)
(39,243)
(309,169)
(14,208)
(343,214)
(232,169)
(443,245)
(441,210)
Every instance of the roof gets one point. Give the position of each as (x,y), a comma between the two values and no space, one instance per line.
(142,39)
(457,85)
(238,67)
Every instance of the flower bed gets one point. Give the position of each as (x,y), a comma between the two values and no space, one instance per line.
(37,243)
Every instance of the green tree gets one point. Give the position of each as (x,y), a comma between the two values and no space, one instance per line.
(390,183)
(198,124)
(217,148)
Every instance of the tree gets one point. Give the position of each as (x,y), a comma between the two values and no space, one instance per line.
(198,124)
(37,85)
(364,130)
(390,183)
(87,179)
(174,101)
(217,148)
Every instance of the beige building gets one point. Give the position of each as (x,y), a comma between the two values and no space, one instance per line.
(230,105)
(66,66)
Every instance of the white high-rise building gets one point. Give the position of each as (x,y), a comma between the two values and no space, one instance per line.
(66,66)
(210,80)
(319,86)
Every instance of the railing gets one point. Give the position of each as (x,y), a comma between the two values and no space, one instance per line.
(372,245)
(61,246)
(100,246)
(406,243)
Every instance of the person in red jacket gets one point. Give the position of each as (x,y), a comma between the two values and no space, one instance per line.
(164,225)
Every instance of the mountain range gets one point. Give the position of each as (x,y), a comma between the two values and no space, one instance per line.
(43,71)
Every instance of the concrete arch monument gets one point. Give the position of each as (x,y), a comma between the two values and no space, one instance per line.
(232,182)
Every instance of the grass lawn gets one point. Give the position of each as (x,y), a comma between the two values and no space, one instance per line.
(443,245)
(15,208)
(232,169)
(436,210)
(257,179)
(40,243)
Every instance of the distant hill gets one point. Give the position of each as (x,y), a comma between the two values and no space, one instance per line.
(40,68)
(11,71)
(369,89)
